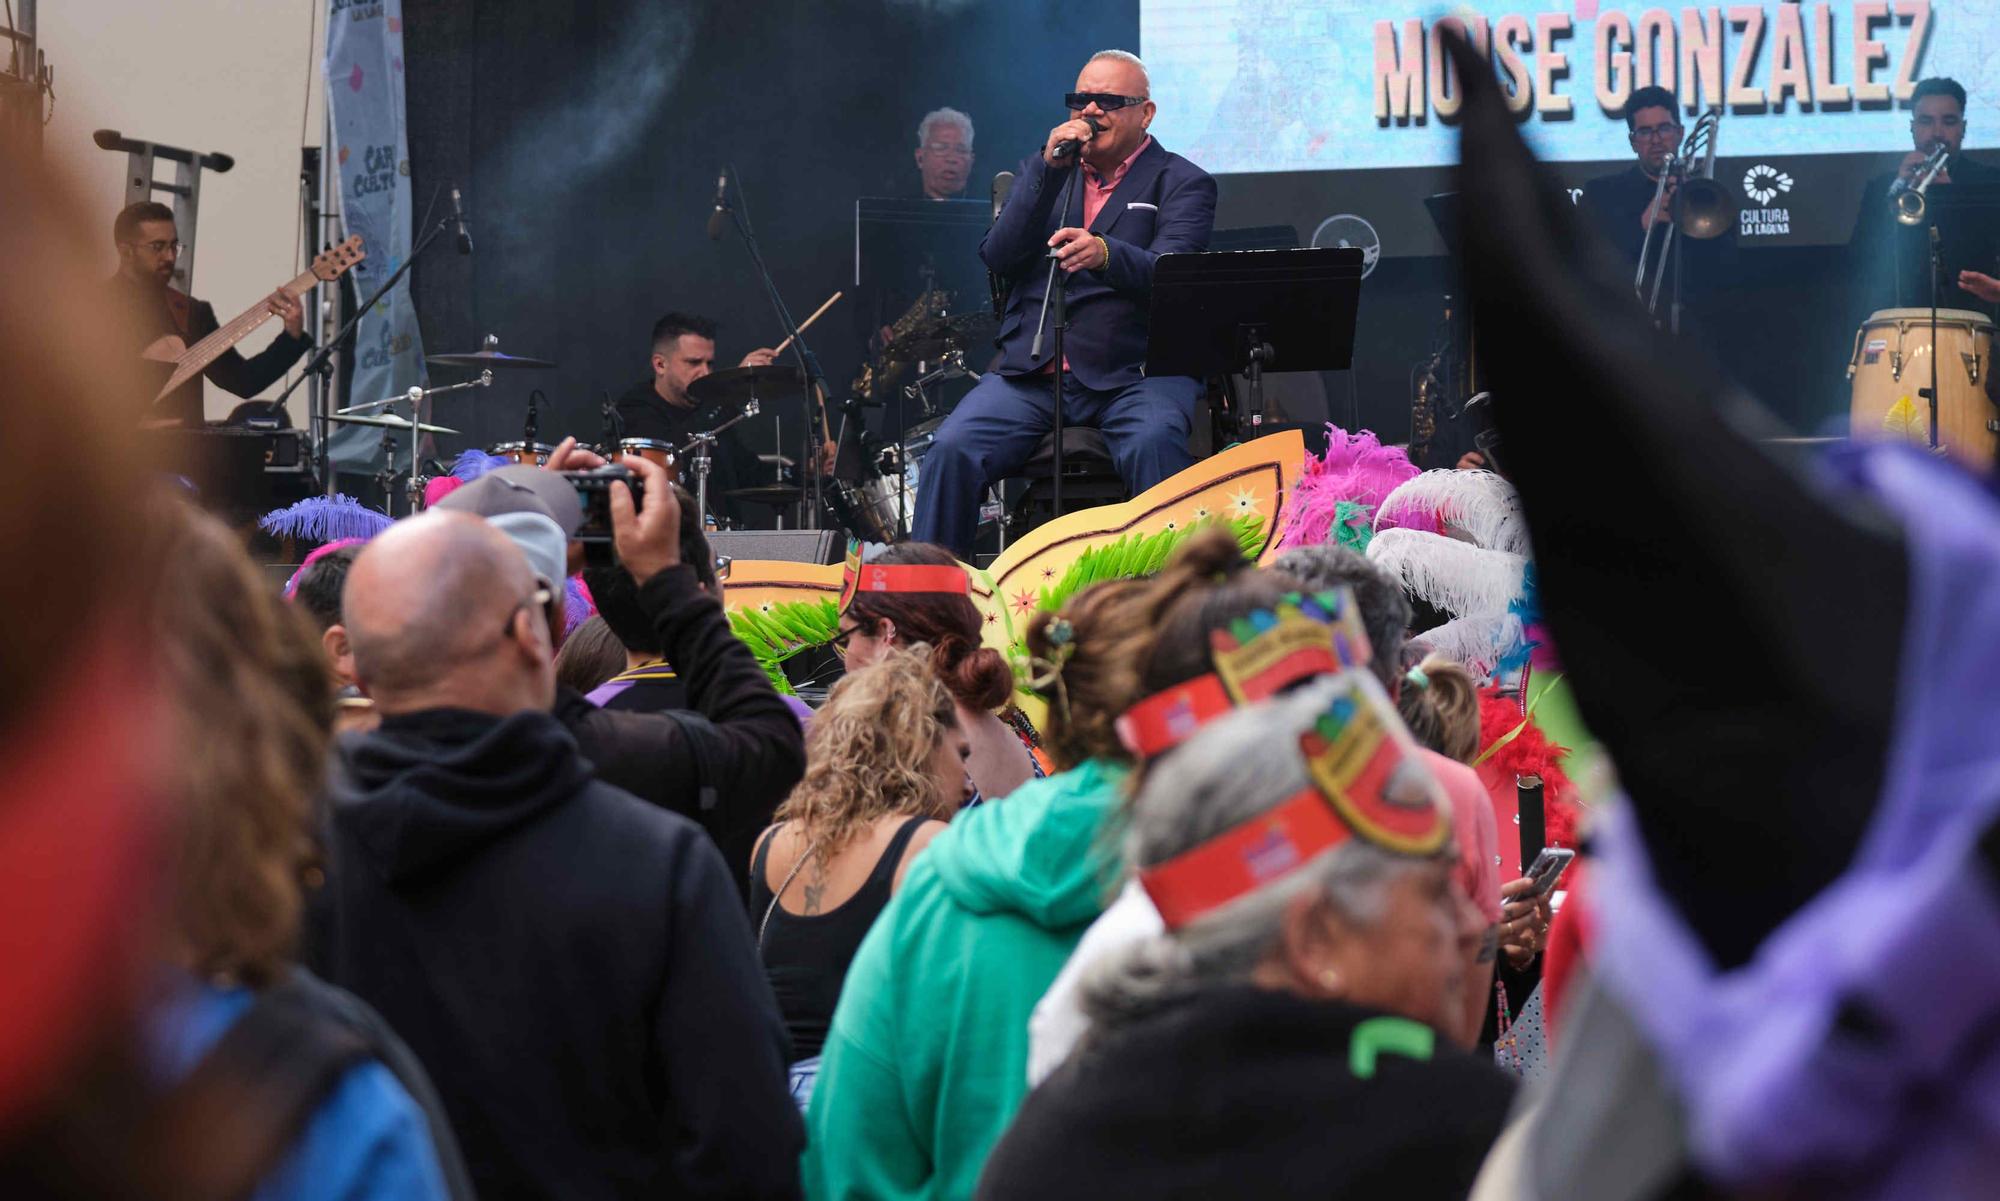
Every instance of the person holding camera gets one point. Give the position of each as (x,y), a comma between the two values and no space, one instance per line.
(556,950)
(729,757)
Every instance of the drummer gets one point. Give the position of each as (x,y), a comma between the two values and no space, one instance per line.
(660,408)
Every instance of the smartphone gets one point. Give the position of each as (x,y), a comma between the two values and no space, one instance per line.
(593,492)
(1548,868)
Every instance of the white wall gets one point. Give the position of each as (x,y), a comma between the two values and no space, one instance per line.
(230,75)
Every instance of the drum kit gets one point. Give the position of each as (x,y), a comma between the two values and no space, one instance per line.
(745,387)
(873,500)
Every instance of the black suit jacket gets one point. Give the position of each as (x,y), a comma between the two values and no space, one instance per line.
(155,313)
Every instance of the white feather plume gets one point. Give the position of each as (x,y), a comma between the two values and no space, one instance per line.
(1480,503)
(1448,574)
(1478,642)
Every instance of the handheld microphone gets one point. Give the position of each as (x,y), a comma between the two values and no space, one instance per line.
(1069,146)
(458,215)
(715,219)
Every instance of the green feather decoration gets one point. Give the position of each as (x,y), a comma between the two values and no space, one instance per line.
(777,633)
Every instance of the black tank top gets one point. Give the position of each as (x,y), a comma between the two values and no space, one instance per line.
(806,957)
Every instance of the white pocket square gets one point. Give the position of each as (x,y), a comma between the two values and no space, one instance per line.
(1140,204)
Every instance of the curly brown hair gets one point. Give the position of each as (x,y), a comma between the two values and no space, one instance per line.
(252,704)
(868,752)
(951,626)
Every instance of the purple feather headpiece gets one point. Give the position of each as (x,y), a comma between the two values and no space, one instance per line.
(325,519)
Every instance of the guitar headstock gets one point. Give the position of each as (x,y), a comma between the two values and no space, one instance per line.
(331,263)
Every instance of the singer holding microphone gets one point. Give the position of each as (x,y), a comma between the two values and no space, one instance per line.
(1134,202)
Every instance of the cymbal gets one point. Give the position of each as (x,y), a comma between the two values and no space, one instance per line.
(390,422)
(485,360)
(744,383)
(775,495)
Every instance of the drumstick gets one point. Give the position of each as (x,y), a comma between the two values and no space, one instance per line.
(780,347)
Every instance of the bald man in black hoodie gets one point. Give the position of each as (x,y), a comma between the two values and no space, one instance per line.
(570,963)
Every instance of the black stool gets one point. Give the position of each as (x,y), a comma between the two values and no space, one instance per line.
(1090,479)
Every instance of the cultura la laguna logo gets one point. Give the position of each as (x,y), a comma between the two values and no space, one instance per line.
(1763,183)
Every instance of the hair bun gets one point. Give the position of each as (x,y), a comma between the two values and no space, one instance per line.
(981,679)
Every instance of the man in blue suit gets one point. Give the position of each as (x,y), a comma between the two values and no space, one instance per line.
(1133,203)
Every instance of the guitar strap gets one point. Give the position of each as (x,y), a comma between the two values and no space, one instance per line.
(180,308)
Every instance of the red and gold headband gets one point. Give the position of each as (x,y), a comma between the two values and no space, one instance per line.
(945,579)
(1256,658)
(1368,782)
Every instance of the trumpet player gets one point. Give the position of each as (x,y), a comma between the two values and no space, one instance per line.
(1968,237)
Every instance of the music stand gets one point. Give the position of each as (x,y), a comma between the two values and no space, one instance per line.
(904,248)
(1253,311)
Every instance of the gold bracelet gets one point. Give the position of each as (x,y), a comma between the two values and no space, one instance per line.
(1106,247)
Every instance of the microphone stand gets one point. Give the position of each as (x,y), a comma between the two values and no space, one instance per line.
(1055,297)
(807,360)
(1937,269)
(322,358)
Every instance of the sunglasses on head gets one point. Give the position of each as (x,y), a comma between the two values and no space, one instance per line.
(1109,102)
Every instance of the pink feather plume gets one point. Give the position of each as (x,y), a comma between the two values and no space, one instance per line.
(1357,471)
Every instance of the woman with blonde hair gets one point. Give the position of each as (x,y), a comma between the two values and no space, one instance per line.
(885,770)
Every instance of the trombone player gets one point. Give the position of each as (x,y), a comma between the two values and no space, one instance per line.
(1967,237)
(1622,205)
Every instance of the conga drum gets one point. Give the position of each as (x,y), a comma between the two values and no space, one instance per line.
(532,454)
(1891,365)
(648,448)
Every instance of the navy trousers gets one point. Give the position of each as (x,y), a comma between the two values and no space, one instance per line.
(996,428)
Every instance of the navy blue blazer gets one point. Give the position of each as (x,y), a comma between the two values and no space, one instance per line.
(1163,205)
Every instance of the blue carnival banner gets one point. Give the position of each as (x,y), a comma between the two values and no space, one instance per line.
(364,95)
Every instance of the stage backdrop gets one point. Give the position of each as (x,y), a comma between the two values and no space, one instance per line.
(586,138)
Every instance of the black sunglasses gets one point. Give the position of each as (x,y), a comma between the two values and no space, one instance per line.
(1108,101)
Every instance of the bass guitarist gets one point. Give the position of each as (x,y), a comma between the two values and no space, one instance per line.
(148,248)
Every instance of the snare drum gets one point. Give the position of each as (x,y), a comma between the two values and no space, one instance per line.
(657,451)
(533,454)
(1892,362)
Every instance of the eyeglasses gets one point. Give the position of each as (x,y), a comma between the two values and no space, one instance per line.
(1656,132)
(841,639)
(538,599)
(948,149)
(1109,102)
(160,247)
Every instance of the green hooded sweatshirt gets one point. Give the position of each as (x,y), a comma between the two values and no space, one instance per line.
(927,1058)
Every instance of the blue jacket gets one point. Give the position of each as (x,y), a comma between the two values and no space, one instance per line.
(368,1141)
(1163,205)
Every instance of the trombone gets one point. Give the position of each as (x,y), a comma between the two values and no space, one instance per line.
(1907,196)
(1702,208)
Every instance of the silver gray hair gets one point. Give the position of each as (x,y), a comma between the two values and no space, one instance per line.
(1244,764)
(1125,56)
(944,116)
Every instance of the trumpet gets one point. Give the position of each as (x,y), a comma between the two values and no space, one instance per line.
(1702,208)
(1907,196)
